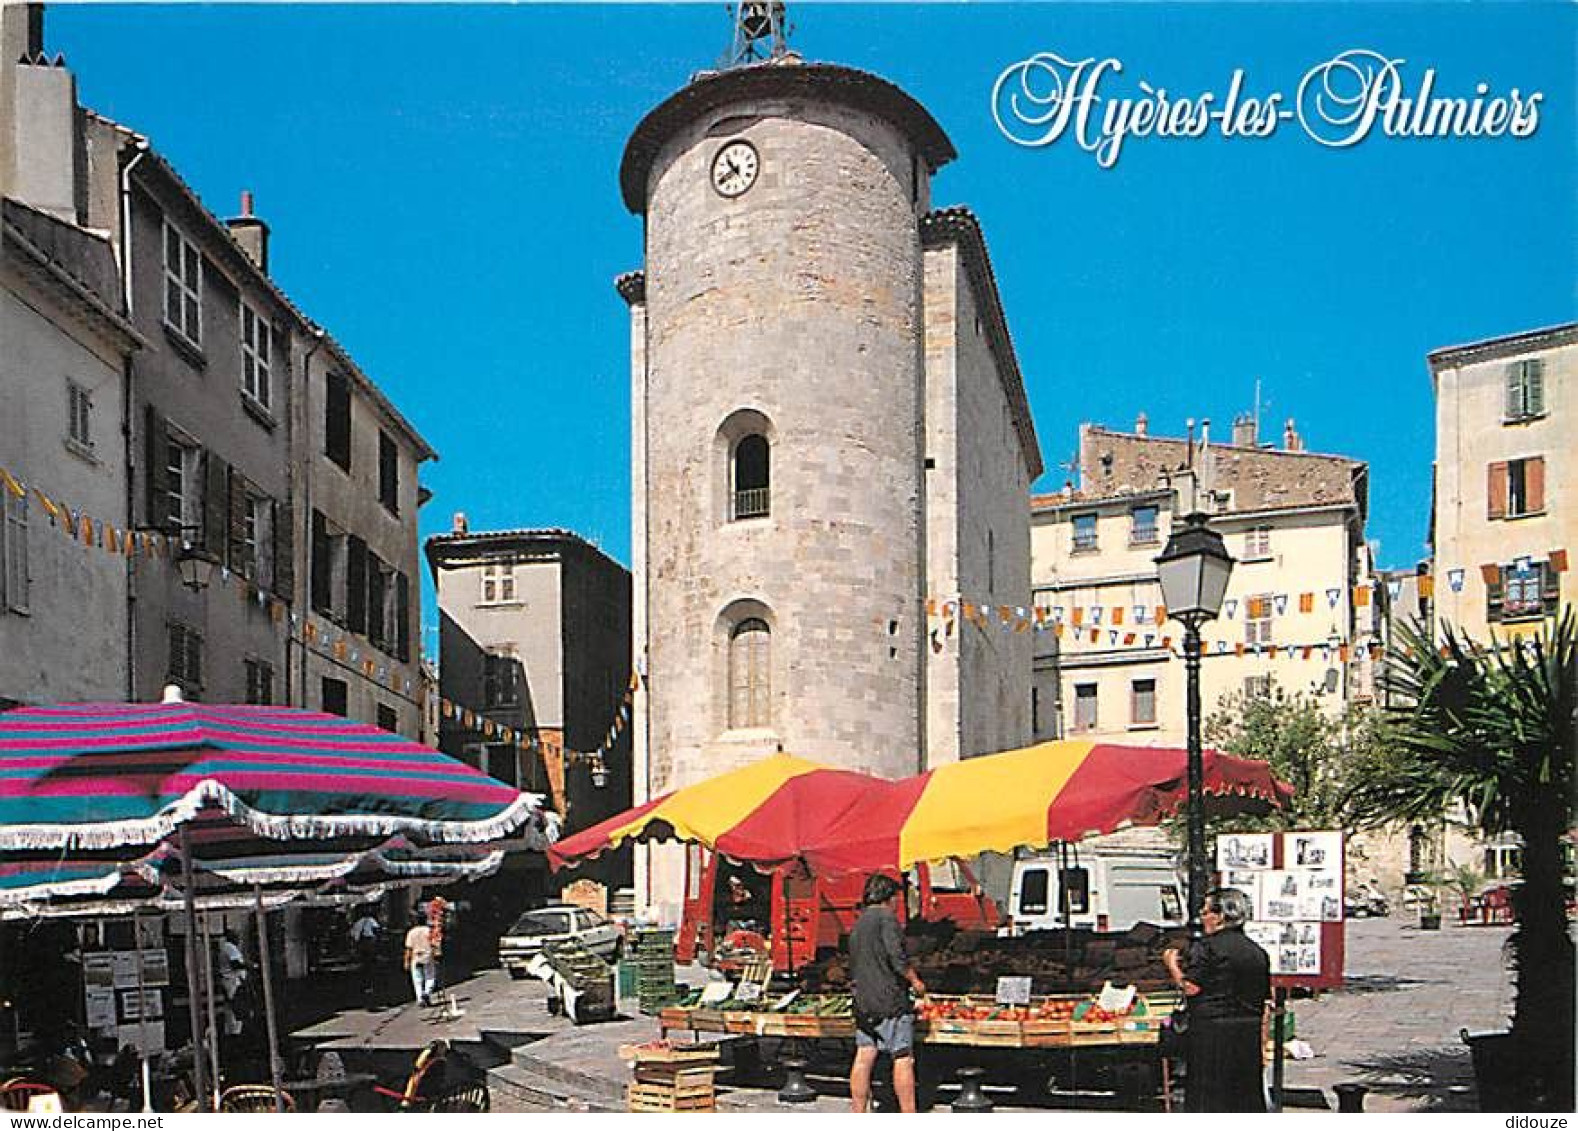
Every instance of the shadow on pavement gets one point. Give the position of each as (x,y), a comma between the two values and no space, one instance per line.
(1382,983)
(1440,1079)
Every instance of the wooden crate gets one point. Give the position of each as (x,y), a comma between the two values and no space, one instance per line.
(675,1017)
(682,1056)
(645,1097)
(1046,1032)
(680,1077)
(739,1021)
(1093,1033)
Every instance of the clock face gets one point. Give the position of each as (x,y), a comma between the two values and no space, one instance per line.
(734,168)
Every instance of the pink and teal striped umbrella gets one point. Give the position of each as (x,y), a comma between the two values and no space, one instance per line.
(98,776)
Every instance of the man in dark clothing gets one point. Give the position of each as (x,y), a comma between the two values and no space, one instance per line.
(883,977)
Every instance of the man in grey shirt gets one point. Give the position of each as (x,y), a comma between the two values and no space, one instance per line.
(883,977)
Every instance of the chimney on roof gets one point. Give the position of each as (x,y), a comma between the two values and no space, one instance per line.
(250,232)
(1246,430)
(458,526)
(1142,425)
(1205,433)
(1291,440)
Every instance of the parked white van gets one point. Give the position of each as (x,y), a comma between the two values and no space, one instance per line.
(1111,884)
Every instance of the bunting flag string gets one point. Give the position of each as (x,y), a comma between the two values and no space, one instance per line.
(527,742)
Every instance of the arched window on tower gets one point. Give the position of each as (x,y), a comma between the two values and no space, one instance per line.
(750,678)
(750,471)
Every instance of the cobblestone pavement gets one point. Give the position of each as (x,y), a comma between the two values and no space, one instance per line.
(1393,1026)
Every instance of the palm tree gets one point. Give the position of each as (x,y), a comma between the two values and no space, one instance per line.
(1492,730)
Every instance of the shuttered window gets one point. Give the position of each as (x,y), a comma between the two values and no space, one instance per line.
(750,678)
(186,658)
(337,419)
(388,473)
(1142,702)
(1525,390)
(1085,706)
(1515,488)
(14,580)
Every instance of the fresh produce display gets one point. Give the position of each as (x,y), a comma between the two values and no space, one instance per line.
(1057,962)
(947,1019)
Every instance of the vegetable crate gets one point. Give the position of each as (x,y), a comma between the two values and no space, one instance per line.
(652,951)
(672,1078)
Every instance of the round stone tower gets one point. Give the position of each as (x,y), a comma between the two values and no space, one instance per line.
(778,442)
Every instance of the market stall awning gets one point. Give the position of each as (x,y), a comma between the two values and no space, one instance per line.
(228,858)
(764,813)
(1056,791)
(102,775)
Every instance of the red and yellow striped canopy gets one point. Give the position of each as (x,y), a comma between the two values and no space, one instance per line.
(1029,798)
(785,808)
(765,813)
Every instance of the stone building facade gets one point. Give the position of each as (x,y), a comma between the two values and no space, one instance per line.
(356,480)
(65,346)
(205,436)
(534,636)
(1505,523)
(829,427)
(1293,617)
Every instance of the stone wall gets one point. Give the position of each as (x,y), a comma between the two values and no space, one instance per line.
(798,302)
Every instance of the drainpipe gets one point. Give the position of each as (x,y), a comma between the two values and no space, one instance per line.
(127,388)
(301,434)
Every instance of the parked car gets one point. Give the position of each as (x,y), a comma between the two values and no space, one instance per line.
(556,923)
(1362,901)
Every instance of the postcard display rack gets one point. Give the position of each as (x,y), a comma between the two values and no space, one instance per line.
(123,990)
(1295,880)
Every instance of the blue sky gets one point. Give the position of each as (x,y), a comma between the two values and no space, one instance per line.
(441,182)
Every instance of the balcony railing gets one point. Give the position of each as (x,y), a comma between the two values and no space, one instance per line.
(753,502)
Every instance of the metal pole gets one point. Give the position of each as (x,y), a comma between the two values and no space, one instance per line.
(208,994)
(1198,877)
(268,1001)
(1279,1010)
(193,972)
(142,1011)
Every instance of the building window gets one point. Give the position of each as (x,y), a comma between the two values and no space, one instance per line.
(79,411)
(1257,543)
(752,483)
(501,682)
(14,581)
(1525,390)
(1084,533)
(388,473)
(1526,589)
(1084,706)
(254,556)
(329,567)
(337,419)
(183,285)
(186,657)
(334,698)
(1142,529)
(1142,702)
(1515,488)
(256,344)
(1257,619)
(498,584)
(388,718)
(1257,687)
(750,674)
(260,682)
(183,487)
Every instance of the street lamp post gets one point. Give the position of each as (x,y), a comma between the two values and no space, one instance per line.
(1193,571)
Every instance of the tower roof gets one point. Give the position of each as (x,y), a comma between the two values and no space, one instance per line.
(782,79)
